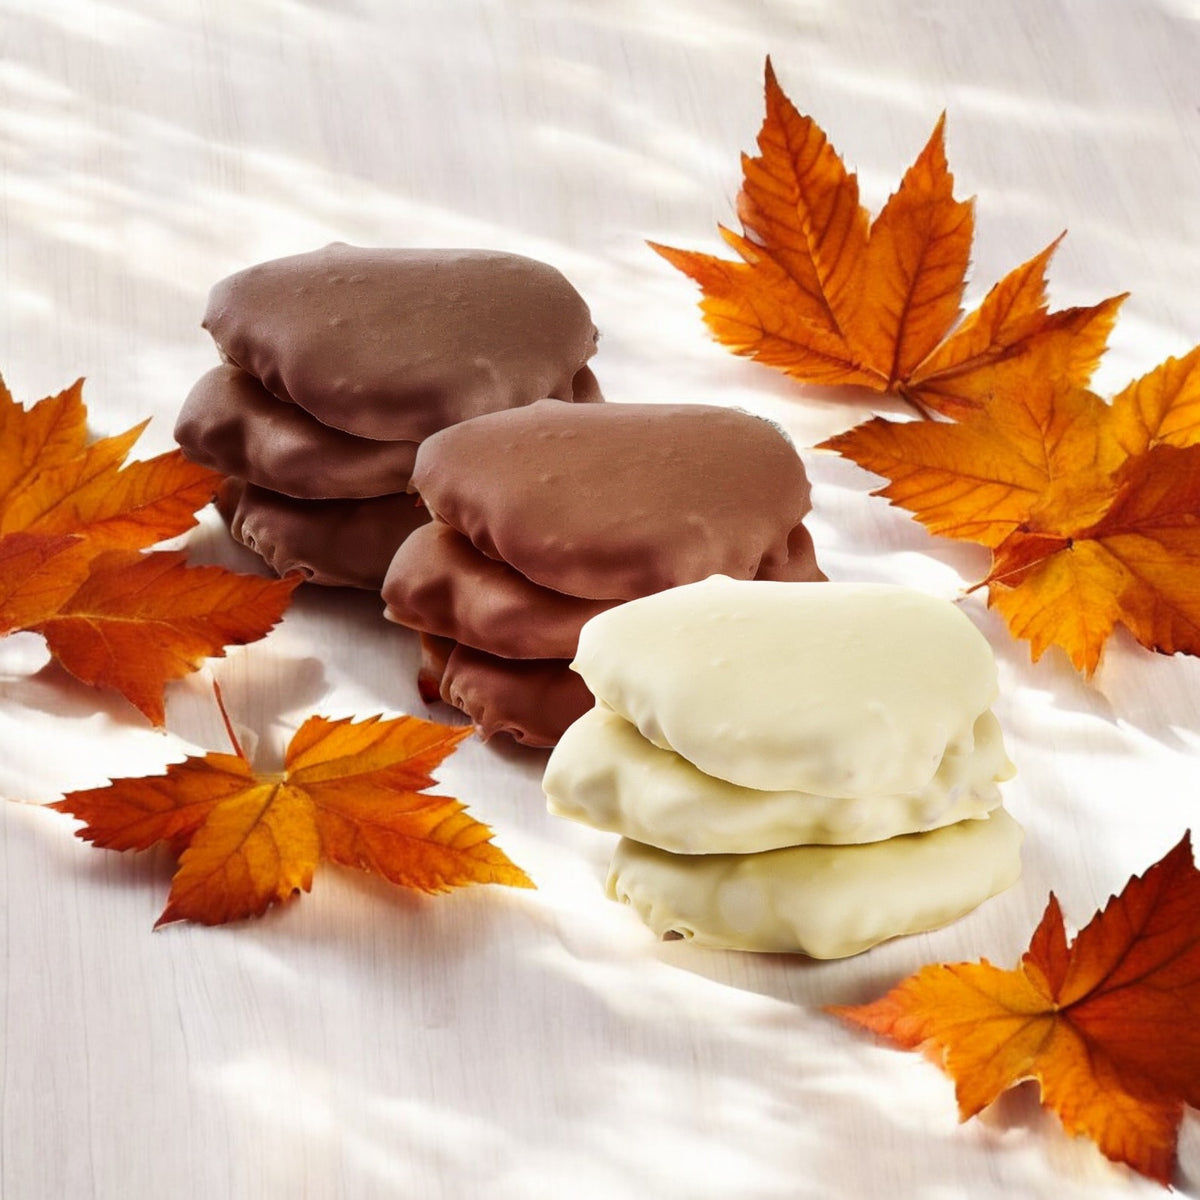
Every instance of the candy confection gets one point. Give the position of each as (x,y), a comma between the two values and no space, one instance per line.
(337,363)
(851,690)
(532,699)
(621,500)
(231,423)
(393,345)
(440,584)
(549,515)
(607,775)
(793,766)
(825,901)
(338,543)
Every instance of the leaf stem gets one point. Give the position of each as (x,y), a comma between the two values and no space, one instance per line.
(903,394)
(1021,568)
(233,739)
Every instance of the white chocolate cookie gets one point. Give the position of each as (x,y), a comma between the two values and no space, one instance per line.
(823,901)
(849,690)
(605,774)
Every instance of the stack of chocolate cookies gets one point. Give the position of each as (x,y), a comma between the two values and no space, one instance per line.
(340,362)
(546,515)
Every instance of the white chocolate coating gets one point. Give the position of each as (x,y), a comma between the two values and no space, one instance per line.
(605,774)
(847,690)
(823,901)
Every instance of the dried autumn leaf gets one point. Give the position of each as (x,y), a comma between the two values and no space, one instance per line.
(140,620)
(74,518)
(48,435)
(829,297)
(38,574)
(351,793)
(1091,510)
(94,496)
(1106,1024)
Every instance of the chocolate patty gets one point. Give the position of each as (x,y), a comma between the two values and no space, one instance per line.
(231,423)
(801,565)
(439,583)
(618,501)
(339,543)
(395,344)
(533,700)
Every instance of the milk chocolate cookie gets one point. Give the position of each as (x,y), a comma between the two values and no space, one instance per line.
(622,500)
(231,423)
(394,344)
(438,583)
(339,543)
(532,700)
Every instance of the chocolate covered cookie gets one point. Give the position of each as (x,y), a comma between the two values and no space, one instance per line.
(622,500)
(337,364)
(395,344)
(440,584)
(532,700)
(231,423)
(339,543)
(548,516)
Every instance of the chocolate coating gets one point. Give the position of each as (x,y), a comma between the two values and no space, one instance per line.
(585,387)
(339,543)
(532,700)
(434,653)
(617,501)
(395,344)
(439,583)
(231,423)
(801,565)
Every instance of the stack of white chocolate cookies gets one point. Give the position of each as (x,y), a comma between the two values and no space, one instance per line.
(794,766)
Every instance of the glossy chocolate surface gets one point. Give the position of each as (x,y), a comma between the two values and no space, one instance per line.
(394,344)
(339,543)
(532,700)
(231,423)
(616,501)
(440,584)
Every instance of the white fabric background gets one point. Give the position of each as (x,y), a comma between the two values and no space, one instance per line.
(362,1042)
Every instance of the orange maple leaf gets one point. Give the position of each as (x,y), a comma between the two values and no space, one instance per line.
(1106,1025)
(351,793)
(74,519)
(829,297)
(1091,510)
(38,574)
(139,620)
